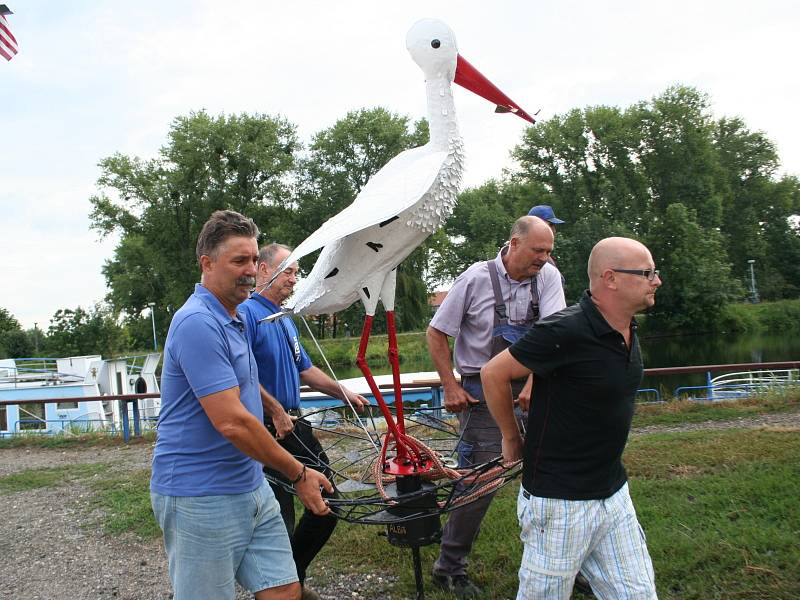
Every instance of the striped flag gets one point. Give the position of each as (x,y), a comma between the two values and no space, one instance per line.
(8,43)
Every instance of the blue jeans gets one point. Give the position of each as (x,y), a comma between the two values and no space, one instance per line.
(213,540)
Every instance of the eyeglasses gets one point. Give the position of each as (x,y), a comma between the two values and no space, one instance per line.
(650,274)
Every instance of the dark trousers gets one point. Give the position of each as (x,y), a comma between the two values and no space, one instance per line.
(481,442)
(311,533)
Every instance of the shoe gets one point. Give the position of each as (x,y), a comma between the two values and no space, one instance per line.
(459,585)
(308,593)
(582,584)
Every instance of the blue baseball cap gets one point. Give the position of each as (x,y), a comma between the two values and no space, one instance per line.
(543,211)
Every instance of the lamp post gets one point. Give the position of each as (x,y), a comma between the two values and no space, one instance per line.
(753,291)
(36,337)
(152,306)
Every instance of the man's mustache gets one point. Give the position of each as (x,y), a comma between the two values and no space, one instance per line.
(251,281)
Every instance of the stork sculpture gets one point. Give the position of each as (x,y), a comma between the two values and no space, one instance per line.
(403,204)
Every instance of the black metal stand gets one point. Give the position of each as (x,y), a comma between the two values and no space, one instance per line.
(418,572)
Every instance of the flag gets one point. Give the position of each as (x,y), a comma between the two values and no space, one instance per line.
(8,43)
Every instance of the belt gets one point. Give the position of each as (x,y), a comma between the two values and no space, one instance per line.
(526,494)
(471,377)
(477,377)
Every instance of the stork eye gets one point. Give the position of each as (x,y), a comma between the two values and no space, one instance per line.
(435,43)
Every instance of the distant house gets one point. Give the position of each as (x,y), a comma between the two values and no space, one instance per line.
(435,300)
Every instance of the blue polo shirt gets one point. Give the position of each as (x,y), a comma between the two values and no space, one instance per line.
(206,351)
(278,351)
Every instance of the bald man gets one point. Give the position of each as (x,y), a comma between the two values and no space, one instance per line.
(588,366)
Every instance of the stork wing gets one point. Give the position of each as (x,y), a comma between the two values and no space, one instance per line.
(396,187)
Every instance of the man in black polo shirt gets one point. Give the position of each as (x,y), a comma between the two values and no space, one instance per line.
(587,367)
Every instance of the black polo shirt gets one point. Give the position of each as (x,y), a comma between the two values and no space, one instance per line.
(582,406)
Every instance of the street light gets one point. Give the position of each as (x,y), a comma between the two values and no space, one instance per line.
(36,336)
(753,291)
(152,306)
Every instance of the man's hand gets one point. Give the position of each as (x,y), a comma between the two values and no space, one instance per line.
(308,490)
(524,397)
(457,399)
(512,450)
(284,424)
(357,400)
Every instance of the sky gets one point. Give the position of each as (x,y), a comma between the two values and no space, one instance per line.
(95,78)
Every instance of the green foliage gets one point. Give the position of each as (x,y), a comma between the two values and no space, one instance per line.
(778,316)
(481,223)
(8,322)
(80,332)
(240,162)
(693,289)
(9,335)
(16,344)
(700,193)
(341,352)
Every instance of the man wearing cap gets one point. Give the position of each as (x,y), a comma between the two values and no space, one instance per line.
(545,212)
(489,306)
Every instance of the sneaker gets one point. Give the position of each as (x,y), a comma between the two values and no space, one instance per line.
(459,585)
(308,593)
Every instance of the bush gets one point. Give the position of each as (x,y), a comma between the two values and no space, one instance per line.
(778,316)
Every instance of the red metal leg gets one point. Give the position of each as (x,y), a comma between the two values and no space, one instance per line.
(361,361)
(394,361)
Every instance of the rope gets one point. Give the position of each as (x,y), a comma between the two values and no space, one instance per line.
(488,481)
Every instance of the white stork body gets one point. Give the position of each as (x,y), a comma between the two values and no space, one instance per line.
(401,205)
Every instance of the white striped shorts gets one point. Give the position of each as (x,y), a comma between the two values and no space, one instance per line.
(600,538)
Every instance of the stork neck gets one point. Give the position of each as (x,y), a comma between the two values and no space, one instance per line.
(441,113)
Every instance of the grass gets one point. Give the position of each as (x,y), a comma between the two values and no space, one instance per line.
(49,477)
(676,412)
(97,439)
(125,499)
(720,509)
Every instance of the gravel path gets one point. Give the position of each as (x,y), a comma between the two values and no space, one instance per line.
(53,545)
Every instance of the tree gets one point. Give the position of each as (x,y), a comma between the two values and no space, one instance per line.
(158,206)
(11,336)
(80,332)
(480,224)
(342,159)
(696,282)
(16,344)
(8,322)
(639,171)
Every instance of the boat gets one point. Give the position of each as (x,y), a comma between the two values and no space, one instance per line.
(39,384)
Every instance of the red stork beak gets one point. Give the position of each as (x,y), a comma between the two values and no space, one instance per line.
(469,77)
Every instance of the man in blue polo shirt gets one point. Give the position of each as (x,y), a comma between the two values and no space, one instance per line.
(221,522)
(574,507)
(282,365)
